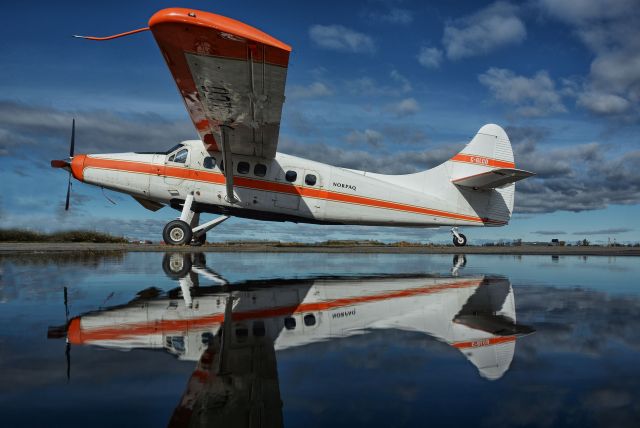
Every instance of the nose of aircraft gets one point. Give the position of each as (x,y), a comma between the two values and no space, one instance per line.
(74,333)
(77,166)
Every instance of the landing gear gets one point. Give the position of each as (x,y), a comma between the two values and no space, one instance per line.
(185,230)
(177,232)
(198,241)
(459,240)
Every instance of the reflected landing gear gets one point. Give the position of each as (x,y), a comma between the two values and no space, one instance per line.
(186,230)
(459,240)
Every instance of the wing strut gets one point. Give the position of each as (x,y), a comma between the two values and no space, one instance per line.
(228,163)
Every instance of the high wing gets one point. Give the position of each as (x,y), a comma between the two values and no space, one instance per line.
(492,179)
(231,77)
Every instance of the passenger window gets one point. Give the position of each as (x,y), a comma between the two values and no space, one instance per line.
(243,167)
(291,176)
(242,333)
(259,329)
(289,323)
(310,179)
(209,162)
(181,156)
(309,320)
(207,338)
(260,170)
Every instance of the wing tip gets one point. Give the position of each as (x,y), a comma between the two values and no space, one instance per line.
(222,23)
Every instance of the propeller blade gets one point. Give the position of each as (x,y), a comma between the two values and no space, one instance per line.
(66,204)
(73,138)
(67,354)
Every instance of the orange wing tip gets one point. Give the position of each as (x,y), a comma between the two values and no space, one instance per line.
(115,36)
(217,22)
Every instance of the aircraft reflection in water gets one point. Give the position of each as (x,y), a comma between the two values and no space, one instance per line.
(235,330)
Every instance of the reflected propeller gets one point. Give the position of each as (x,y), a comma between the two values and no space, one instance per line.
(58,332)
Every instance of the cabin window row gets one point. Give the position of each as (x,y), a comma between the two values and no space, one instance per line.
(259,169)
(309,179)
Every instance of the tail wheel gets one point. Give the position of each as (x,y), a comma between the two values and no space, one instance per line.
(460,240)
(177,232)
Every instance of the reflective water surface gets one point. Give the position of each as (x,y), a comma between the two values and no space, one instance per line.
(151,339)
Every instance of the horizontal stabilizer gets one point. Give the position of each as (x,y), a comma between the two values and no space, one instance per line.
(492,179)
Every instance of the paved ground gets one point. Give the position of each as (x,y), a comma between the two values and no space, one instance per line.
(9,248)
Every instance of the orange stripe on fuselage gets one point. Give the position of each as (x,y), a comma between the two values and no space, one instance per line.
(482,161)
(270,186)
(77,335)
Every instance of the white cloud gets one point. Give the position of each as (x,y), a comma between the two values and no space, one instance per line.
(314,90)
(532,96)
(368,136)
(430,57)
(603,103)
(490,28)
(393,15)
(579,11)
(342,39)
(609,28)
(405,84)
(405,107)
(367,86)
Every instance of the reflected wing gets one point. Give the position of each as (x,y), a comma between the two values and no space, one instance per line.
(229,74)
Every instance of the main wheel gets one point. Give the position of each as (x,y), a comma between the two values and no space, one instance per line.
(177,232)
(176,265)
(199,240)
(461,241)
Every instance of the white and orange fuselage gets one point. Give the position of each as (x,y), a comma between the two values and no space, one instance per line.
(296,189)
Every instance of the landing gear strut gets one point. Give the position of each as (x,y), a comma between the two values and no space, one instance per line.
(459,240)
(185,230)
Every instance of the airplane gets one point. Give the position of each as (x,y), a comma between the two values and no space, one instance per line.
(231,77)
(235,331)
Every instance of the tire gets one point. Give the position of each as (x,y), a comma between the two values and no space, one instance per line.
(200,240)
(460,242)
(176,265)
(459,259)
(177,232)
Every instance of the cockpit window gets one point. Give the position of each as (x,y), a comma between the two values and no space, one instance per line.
(177,343)
(181,156)
(176,147)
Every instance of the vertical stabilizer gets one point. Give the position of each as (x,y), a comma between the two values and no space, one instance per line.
(490,150)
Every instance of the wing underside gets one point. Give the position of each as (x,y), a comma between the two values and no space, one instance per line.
(229,75)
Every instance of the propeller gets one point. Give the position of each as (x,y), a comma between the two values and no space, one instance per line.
(71,150)
(59,332)
(66,164)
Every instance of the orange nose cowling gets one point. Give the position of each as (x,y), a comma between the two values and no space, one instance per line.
(77,166)
(74,333)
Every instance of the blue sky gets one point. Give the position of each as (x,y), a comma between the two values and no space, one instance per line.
(387,85)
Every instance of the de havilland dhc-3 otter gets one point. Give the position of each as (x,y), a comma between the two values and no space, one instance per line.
(231,77)
(235,331)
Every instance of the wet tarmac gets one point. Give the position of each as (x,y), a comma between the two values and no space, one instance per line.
(317,339)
